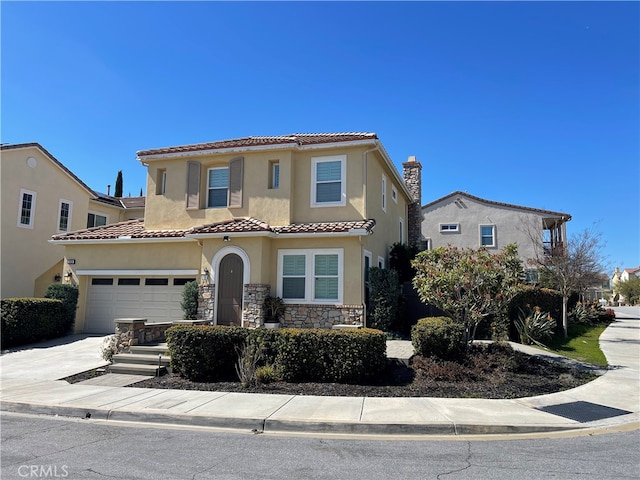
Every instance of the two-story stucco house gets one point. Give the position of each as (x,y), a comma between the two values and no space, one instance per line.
(300,216)
(467,221)
(41,198)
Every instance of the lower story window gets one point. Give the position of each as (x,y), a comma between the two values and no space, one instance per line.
(308,276)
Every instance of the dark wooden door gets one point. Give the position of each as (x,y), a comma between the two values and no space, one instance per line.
(230,290)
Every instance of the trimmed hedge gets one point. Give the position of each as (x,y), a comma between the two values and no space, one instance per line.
(441,337)
(29,320)
(68,295)
(206,353)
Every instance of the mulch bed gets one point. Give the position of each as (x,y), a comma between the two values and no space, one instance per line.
(486,372)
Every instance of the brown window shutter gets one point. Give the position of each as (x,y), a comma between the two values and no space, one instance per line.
(235,182)
(193,186)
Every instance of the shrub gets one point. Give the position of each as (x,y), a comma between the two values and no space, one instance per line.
(546,299)
(29,320)
(274,309)
(534,326)
(206,353)
(266,374)
(203,352)
(109,348)
(189,302)
(440,337)
(68,295)
(384,291)
(320,355)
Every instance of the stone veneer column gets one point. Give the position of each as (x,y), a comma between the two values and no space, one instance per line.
(253,304)
(412,170)
(206,302)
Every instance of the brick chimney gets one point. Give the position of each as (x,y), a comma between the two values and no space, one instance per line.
(412,170)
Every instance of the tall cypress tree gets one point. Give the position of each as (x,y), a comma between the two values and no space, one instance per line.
(118,192)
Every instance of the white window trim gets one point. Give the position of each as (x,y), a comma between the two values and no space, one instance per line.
(454,230)
(381,262)
(309,284)
(493,234)
(343,180)
(70,203)
(384,193)
(401,230)
(163,182)
(32,211)
(209,188)
(101,214)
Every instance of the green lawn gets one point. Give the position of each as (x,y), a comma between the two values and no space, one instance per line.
(582,344)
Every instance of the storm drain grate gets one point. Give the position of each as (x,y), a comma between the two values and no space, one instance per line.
(583,411)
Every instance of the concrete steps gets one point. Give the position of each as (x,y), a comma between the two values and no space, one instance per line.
(147,360)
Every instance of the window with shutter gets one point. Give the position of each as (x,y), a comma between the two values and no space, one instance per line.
(218,187)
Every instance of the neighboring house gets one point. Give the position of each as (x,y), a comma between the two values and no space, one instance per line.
(623,276)
(467,221)
(41,198)
(301,216)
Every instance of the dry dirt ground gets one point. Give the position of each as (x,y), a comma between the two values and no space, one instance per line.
(486,372)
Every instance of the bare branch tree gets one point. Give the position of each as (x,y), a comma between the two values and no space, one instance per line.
(576,269)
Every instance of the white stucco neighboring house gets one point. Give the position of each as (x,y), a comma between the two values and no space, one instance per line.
(466,221)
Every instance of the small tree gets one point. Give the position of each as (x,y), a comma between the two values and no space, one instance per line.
(630,290)
(576,270)
(400,258)
(468,284)
(118,189)
(189,302)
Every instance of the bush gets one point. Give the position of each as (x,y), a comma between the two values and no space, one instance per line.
(205,353)
(29,320)
(68,295)
(189,302)
(534,326)
(383,298)
(546,299)
(441,337)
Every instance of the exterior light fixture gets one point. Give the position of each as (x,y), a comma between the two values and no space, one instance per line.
(226,238)
(204,278)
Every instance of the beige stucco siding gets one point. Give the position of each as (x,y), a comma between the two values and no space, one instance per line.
(26,253)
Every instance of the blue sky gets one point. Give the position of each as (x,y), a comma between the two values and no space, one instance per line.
(530,103)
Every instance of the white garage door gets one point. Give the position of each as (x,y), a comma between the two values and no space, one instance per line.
(155,298)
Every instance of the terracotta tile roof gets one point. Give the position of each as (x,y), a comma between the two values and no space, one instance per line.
(233,226)
(135,229)
(248,142)
(132,202)
(130,228)
(490,202)
(327,227)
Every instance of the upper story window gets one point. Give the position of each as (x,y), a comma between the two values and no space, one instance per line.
(274,175)
(64,215)
(394,194)
(449,227)
(96,220)
(26,208)
(401,226)
(218,187)
(384,193)
(487,236)
(328,182)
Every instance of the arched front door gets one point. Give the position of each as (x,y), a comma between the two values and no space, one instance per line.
(230,290)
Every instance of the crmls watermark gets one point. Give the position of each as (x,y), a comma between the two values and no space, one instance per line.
(43,471)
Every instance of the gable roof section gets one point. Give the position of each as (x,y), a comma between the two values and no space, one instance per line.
(53,159)
(564,216)
(268,142)
(134,230)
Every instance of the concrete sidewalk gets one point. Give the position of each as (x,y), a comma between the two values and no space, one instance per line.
(30,385)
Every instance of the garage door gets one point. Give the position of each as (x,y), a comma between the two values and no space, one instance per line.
(155,298)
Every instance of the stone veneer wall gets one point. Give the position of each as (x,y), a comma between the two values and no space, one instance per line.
(136,331)
(413,179)
(206,302)
(253,311)
(323,316)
